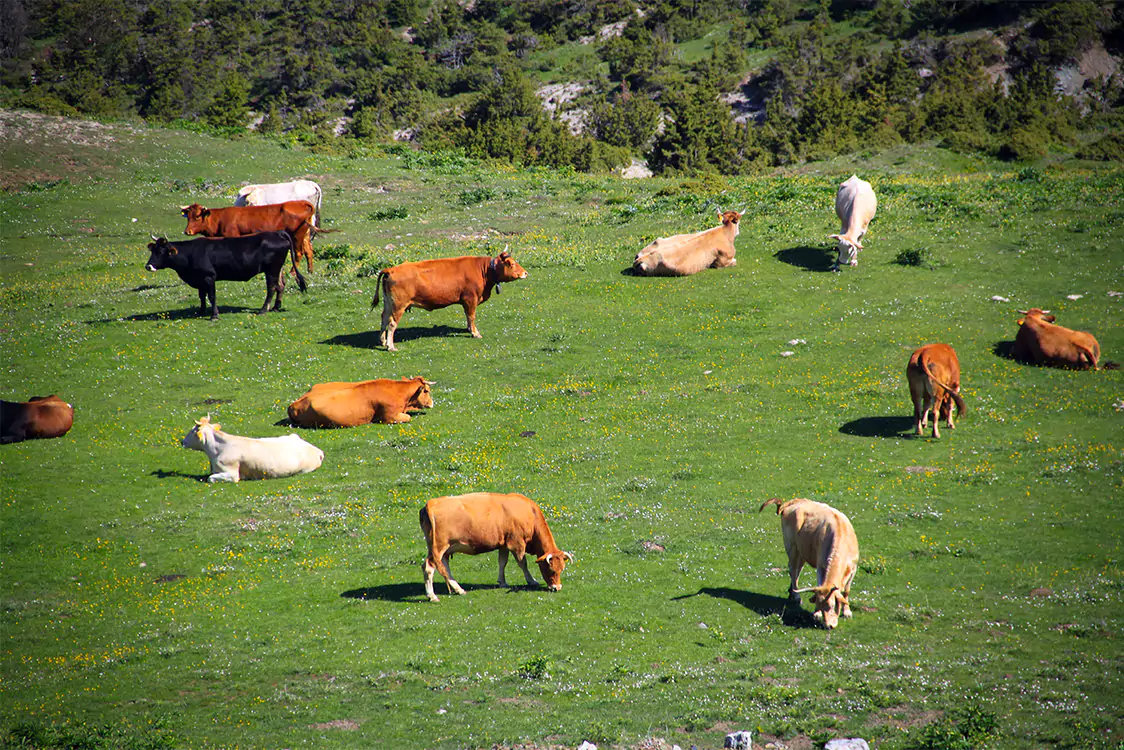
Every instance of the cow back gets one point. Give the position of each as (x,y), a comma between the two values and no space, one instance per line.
(437,283)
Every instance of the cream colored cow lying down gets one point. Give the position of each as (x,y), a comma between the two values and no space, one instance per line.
(687,254)
(234,457)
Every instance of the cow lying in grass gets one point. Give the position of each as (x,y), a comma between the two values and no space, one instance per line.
(354,404)
(687,254)
(818,535)
(933,373)
(484,522)
(1041,342)
(234,458)
(40,417)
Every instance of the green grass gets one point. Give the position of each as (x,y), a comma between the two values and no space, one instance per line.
(142,607)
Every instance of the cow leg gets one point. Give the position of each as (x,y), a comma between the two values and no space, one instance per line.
(847,594)
(503,564)
(794,566)
(447,561)
(209,289)
(470,316)
(390,327)
(269,290)
(427,570)
(521,561)
(202,301)
(279,288)
(936,413)
(225,473)
(385,321)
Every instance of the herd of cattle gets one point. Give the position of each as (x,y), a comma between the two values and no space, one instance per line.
(272,223)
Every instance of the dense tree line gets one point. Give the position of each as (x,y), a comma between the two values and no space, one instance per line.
(842,74)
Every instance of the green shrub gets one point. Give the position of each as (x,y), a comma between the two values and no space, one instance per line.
(1023,144)
(476,195)
(916,257)
(330,252)
(535,668)
(968,142)
(386,214)
(1108,148)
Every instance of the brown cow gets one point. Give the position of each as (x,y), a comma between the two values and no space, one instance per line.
(483,522)
(39,417)
(934,383)
(687,254)
(353,404)
(1041,342)
(818,535)
(433,284)
(293,217)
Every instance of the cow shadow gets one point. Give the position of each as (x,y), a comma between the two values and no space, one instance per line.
(791,613)
(1004,349)
(809,258)
(415,592)
(161,474)
(882,427)
(182,314)
(371,339)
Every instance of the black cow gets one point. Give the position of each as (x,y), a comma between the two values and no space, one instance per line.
(200,263)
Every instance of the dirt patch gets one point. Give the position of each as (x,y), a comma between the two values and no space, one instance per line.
(799,742)
(905,717)
(345,724)
(922,469)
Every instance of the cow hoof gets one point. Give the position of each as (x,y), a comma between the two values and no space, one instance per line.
(433,597)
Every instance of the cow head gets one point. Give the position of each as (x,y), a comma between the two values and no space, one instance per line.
(551,567)
(848,249)
(159,251)
(202,433)
(196,215)
(730,219)
(504,268)
(829,603)
(1036,313)
(422,397)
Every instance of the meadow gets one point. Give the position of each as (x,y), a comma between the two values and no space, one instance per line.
(145,608)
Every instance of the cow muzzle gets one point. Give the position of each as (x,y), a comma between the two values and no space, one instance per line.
(555,587)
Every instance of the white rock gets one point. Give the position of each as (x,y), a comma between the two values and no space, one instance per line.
(997,298)
(794,342)
(1074,296)
(787,354)
(739,740)
(851,744)
(587,745)
(1116,294)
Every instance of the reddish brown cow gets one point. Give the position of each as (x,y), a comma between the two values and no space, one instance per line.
(483,522)
(353,404)
(433,284)
(934,384)
(39,417)
(1041,342)
(293,217)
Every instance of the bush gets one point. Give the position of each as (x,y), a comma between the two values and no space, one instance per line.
(476,195)
(1023,145)
(918,257)
(1108,148)
(386,214)
(535,668)
(969,142)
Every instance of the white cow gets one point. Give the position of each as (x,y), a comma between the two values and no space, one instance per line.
(280,192)
(234,457)
(855,205)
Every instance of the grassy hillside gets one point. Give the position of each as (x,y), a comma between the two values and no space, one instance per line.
(143,607)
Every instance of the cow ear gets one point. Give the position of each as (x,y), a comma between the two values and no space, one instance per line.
(206,212)
(836,237)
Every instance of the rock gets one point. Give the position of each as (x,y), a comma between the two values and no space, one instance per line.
(851,744)
(638,170)
(587,745)
(740,740)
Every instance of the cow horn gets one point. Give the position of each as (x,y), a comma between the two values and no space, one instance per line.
(184,208)
(429,382)
(568,556)
(548,558)
(154,238)
(1021,312)
(1045,312)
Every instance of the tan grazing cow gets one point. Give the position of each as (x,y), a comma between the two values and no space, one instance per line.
(432,284)
(934,384)
(855,206)
(818,535)
(687,254)
(1041,342)
(353,404)
(483,522)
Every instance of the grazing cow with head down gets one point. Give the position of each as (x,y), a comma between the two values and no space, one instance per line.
(483,522)
(855,206)
(234,457)
(200,263)
(432,284)
(687,254)
(1041,342)
(818,535)
(294,217)
(39,417)
(934,384)
(353,404)
(282,192)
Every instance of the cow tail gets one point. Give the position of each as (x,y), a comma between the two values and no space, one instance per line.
(960,407)
(425,521)
(772,501)
(301,284)
(378,287)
